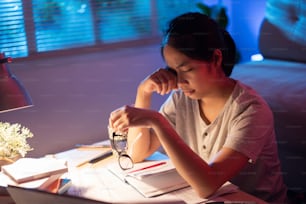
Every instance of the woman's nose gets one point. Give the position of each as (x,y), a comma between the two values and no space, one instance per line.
(181,80)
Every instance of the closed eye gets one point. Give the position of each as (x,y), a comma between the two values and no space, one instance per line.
(187,69)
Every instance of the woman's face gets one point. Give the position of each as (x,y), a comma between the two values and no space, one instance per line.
(195,78)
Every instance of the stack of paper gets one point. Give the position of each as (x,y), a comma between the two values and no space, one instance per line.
(151,178)
(29,169)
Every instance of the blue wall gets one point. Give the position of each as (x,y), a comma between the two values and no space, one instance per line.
(246,17)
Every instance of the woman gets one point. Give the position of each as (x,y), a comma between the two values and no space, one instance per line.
(213,128)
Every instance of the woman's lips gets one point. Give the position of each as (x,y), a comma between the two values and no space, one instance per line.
(188,91)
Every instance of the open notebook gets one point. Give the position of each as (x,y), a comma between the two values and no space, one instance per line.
(151,178)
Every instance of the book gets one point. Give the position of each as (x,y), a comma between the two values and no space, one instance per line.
(151,178)
(59,185)
(28,169)
(51,183)
(56,184)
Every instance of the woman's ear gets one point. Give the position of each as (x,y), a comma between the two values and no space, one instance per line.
(217,57)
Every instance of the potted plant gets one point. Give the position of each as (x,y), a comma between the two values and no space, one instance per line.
(13,142)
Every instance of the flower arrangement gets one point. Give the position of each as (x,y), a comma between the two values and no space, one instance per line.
(13,140)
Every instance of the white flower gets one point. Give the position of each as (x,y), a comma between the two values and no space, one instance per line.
(13,140)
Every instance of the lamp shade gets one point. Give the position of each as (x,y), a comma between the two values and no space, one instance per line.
(12,93)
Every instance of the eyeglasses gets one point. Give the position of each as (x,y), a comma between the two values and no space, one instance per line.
(119,144)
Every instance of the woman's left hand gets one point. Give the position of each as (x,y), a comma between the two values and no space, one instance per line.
(123,118)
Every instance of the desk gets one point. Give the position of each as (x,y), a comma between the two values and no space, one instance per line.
(236,196)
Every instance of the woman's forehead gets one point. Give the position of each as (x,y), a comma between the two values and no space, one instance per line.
(174,58)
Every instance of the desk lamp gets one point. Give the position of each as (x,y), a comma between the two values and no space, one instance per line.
(13,95)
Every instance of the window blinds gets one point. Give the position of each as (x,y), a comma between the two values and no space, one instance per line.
(32,26)
(62,24)
(12,30)
(123,20)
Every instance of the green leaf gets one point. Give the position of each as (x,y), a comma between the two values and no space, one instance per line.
(204,8)
(222,18)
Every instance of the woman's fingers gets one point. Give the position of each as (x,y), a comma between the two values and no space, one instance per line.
(161,84)
(172,79)
(161,81)
(127,116)
(164,80)
(117,120)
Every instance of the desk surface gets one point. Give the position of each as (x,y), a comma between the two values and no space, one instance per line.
(236,196)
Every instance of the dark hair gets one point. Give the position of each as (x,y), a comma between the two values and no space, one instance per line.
(197,36)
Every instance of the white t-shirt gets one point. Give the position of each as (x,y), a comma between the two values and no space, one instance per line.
(246,125)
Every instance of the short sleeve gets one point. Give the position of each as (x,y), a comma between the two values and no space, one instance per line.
(251,128)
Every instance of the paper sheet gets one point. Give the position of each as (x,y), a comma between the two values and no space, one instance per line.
(100,184)
(189,195)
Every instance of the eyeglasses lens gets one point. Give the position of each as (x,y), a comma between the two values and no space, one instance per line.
(119,144)
(125,162)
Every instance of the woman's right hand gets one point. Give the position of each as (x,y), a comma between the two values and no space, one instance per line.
(161,81)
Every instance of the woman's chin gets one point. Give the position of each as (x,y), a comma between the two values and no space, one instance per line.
(190,94)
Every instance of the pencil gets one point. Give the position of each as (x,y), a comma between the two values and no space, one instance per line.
(101,157)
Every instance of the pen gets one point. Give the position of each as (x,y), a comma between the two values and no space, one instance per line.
(148,167)
(101,157)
